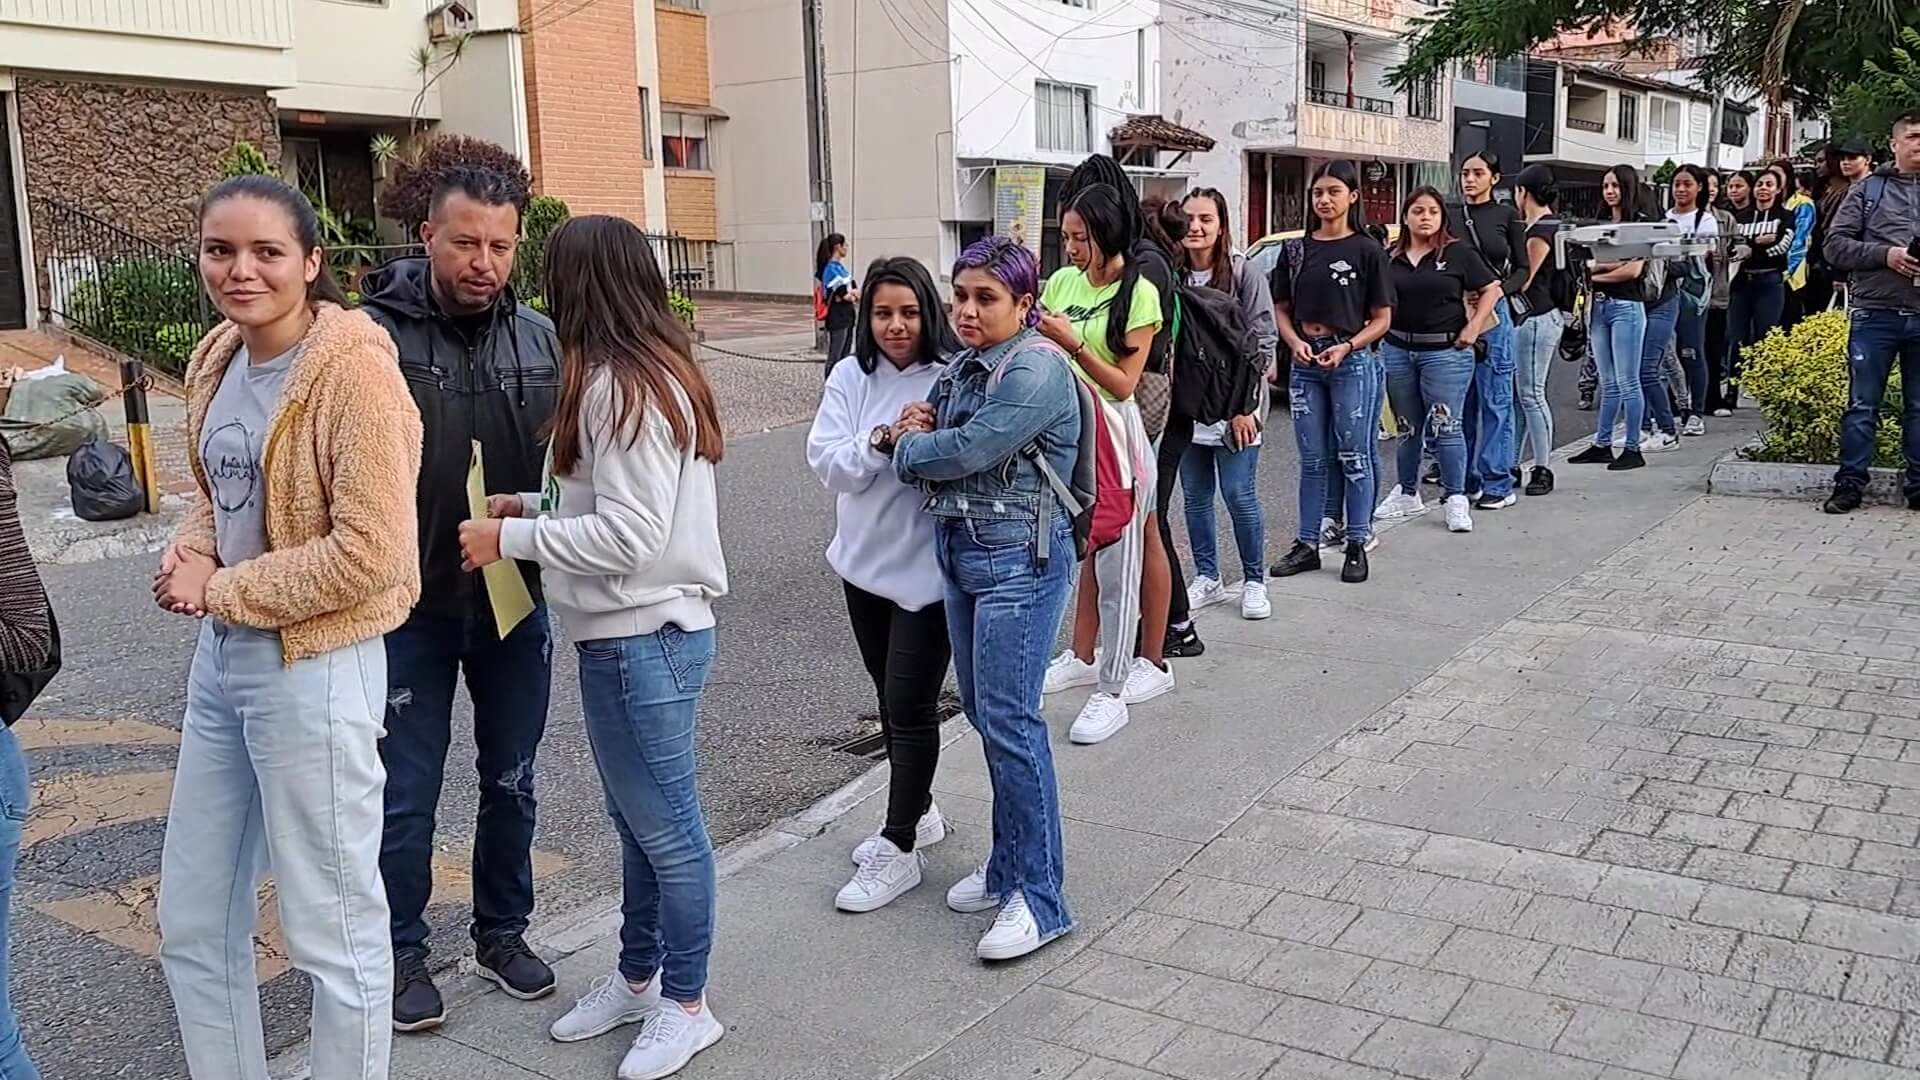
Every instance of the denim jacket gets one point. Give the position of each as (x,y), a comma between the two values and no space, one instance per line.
(970,466)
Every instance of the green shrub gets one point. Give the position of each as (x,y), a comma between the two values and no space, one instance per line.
(1800,381)
(538,303)
(683,306)
(405,197)
(544,214)
(145,307)
(245,159)
(174,344)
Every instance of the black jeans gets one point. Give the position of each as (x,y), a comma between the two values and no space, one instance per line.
(906,653)
(508,682)
(1716,397)
(839,344)
(1173,448)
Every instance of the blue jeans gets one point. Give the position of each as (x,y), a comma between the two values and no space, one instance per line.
(1616,330)
(1003,612)
(507,681)
(1334,419)
(1432,387)
(1755,303)
(1237,472)
(1875,340)
(1661,320)
(641,695)
(1690,341)
(1336,509)
(1535,343)
(1492,444)
(14,793)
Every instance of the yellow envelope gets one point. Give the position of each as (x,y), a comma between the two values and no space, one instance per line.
(506,589)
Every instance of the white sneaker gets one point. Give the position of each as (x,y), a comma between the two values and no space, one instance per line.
(970,894)
(1014,933)
(1400,504)
(1695,426)
(1459,518)
(1253,600)
(608,1004)
(931,830)
(1068,671)
(668,1040)
(1659,443)
(1146,681)
(1723,412)
(1100,719)
(882,879)
(1205,591)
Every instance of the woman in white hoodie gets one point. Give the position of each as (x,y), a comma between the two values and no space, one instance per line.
(883,551)
(628,541)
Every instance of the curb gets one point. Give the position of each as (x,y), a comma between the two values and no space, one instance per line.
(594,922)
(1785,480)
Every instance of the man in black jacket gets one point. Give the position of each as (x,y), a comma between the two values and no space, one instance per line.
(481,367)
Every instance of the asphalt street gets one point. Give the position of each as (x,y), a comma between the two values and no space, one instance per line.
(787,689)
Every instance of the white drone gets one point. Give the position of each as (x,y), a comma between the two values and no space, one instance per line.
(1628,240)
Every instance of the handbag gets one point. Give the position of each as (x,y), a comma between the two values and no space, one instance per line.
(18,689)
(1154,394)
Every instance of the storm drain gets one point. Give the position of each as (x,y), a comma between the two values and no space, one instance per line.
(873,744)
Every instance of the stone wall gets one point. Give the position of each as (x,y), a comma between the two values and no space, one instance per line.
(136,155)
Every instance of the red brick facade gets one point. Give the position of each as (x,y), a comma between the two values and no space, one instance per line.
(583,106)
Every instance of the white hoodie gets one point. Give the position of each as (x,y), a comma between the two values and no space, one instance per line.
(631,540)
(882,540)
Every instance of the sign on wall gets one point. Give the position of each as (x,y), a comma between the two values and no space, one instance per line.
(1019,195)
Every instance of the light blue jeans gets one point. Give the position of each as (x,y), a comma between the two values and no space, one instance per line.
(1490,449)
(1237,474)
(1616,331)
(641,696)
(279,772)
(14,793)
(1662,319)
(1536,342)
(1429,388)
(1003,614)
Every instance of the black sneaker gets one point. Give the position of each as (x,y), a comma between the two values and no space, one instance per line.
(1541,482)
(1913,502)
(1846,500)
(505,959)
(1628,459)
(1355,570)
(1586,402)
(416,1001)
(1432,475)
(1515,473)
(1302,558)
(1593,455)
(1184,644)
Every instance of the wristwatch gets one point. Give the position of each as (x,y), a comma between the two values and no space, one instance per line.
(881,439)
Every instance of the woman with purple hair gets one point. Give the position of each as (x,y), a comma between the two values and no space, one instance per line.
(1005,546)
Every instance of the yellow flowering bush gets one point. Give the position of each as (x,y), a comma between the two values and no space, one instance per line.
(1800,380)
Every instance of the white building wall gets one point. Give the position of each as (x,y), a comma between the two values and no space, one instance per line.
(1239,85)
(357,60)
(1115,49)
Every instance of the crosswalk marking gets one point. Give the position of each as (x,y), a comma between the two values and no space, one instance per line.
(38,733)
(72,803)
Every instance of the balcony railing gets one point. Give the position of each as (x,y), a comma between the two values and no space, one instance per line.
(1577,124)
(1340,99)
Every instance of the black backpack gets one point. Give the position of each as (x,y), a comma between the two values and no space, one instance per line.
(1217,361)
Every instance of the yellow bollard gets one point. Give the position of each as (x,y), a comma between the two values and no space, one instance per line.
(133,376)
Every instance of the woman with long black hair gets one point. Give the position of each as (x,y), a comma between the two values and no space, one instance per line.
(1538,321)
(839,293)
(1758,296)
(883,551)
(627,536)
(1104,316)
(1690,212)
(1333,299)
(1497,234)
(1617,331)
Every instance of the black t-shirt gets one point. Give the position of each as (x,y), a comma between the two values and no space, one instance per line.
(1499,233)
(1339,283)
(1754,223)
(1539,295)
(1432,296)
(1156,270)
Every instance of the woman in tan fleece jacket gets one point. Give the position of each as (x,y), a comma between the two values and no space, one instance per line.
(299,554)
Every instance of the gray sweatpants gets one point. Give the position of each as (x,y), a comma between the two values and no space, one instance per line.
(1117,567)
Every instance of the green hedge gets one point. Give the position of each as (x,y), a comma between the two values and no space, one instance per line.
(1799,379)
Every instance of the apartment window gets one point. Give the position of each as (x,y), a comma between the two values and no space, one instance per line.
(646,126)
(302,162)
(1663,123)
(687,5)
(1733,127)
(683,140)
(1062,117)
(1629,118)
(1316,75)
(1423,99)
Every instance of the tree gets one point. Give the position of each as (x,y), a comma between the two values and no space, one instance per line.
(245,159)
(1783,48)
(1664,174)
(405,198)
(1868,105)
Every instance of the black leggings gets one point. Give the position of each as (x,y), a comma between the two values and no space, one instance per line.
(1173,446)
(906,653)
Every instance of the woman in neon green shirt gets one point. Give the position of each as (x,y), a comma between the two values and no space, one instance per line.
(1109,354)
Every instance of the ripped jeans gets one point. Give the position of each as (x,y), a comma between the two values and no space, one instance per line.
(507,681)
(1431,384)
(1334,421)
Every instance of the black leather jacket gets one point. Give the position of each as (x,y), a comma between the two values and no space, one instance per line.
(499,389)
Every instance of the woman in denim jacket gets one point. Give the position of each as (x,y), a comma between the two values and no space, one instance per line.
(1005,546)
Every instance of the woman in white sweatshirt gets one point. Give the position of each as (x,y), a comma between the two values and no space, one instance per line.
(628,541)
(883,551)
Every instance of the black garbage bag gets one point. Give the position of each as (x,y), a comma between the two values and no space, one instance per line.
(100,476)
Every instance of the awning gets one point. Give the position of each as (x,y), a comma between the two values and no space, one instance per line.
(690,109)
(1157,133)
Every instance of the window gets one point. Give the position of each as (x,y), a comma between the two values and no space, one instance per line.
(1062,117)
(1423,99)
(1733,126)
(686,5)
(646,126)
(1511,73)
(1663,124)
(1629,118)
(683,140)
(302,162)
(1317,75)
